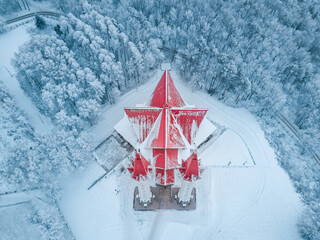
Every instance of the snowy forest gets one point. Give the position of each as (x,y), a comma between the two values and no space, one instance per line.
(260,55)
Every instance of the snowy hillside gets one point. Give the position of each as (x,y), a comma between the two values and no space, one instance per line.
(65,79)
(238,201)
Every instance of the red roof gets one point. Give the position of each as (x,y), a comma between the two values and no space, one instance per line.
(142,120)
(164,177)
(165,133)
(189,120)
(190,168)
(139,167)
(165,125)
(166,158)
(166,93)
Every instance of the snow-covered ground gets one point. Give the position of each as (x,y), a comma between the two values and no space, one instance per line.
(13,223)
(235,156)
(244,194)
(9,44)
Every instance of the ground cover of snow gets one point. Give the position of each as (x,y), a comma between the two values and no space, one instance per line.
(251,198)
(124,128)
(13,223)
(237,153)
(10,43)
(206,128)
(95,213)
(15,207)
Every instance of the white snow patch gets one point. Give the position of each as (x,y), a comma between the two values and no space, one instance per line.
(10,43)
(206,128)
(94,213)
(124,128)
(179,231)
(228,149)
(14,226)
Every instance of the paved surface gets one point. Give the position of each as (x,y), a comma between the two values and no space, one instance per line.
(164,199)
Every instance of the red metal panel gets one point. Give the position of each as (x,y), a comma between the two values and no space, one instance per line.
(190,168)
(166,162)
(168,135)
(142,120)
(169,177)
(160,176)
(172,158)
(166,93)
(173,99)
(158,98)
(159,140)
(166,158)
(159,155)
(174,138)
(186,118)
(139,167)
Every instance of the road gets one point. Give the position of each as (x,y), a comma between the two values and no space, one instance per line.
(298,136)
(30,15)
(12,40)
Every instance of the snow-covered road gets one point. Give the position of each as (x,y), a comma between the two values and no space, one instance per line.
(9,44)
(238,198)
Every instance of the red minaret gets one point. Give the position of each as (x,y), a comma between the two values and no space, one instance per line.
(190,171)
(139,167)
(139,172)
(190,168)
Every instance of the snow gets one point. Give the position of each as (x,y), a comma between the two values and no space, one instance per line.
(165,66)
(19,197)
(14,226)
(124,128)
(206,128)
(171,230)
(94,213)
(12,40)
(237,155)
(255,201)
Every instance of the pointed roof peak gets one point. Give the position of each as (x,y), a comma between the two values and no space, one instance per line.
(139,167)
(190,168)
(165,93)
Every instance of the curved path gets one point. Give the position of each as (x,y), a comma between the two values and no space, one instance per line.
(29,15)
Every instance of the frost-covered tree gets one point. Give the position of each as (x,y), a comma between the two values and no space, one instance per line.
(50,74)
(47,218)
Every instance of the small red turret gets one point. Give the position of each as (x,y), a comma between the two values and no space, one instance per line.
(190,168)
(140,167)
